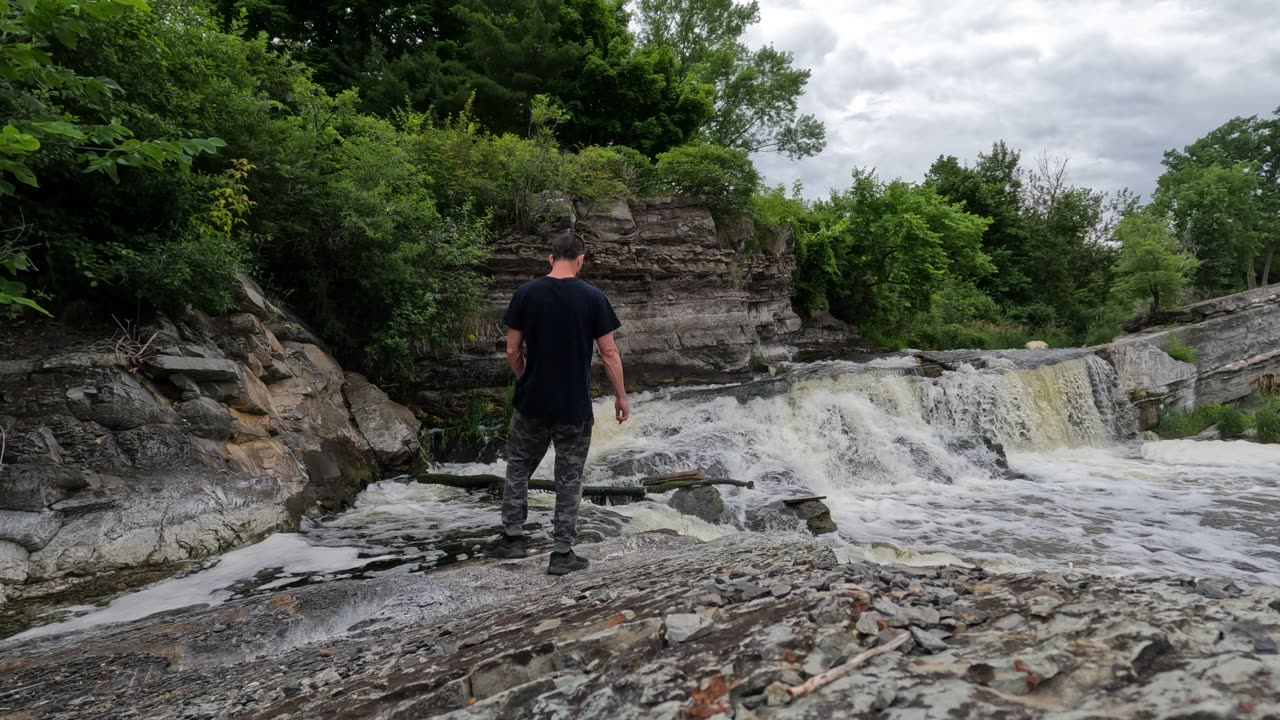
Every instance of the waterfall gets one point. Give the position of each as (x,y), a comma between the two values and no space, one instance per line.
(844,424)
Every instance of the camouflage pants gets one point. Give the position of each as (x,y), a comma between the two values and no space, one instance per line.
(526,446)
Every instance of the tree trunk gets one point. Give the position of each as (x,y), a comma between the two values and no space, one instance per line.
(1266,266)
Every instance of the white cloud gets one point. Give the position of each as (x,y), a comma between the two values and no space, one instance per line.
(1110,83)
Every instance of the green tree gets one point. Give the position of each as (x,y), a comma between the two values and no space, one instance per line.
(757,92)
(494,57)
(1152,267)
(56,119)
(876,252)
(722,178)
(992,188)
(1223,192)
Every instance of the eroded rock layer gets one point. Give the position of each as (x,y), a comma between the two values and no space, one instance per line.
(179,441)
(1236,341)
(666,627)
(698,302)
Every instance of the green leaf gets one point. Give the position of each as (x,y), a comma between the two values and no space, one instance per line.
(60,128)
(29,303)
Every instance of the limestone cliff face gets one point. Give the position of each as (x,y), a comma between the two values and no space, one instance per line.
(1237,341)
(190,439)
(696,302)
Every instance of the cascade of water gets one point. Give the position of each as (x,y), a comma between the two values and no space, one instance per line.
(859,424)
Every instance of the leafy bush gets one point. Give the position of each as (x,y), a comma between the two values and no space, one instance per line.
(1174,348)
(1267,421)
(1175,424)
(722,178)
(1231,421)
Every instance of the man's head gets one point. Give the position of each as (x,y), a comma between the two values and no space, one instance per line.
(567,251)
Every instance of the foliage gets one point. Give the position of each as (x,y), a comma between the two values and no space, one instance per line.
(756,91)
(1152,268)
(875,252)
(1267,421)
(722,178)
(56,119)
(1223,194)
(1231,421)
(494,58)
(1174,348)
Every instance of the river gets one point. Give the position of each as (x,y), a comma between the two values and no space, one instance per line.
(896,454)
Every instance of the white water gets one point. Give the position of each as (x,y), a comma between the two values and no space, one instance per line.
(896,455)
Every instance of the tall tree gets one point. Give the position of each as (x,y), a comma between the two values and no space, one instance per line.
(757,92)
(992,188)
(876,252)
(1152,266)
(494,57)
(1223,192)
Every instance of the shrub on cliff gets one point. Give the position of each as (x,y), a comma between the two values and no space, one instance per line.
(722,178)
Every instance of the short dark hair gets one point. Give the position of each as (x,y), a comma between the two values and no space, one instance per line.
(567,245)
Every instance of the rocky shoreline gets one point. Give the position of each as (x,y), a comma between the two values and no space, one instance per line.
(664,626)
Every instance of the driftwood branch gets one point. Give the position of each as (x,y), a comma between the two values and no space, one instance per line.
(660,484)
(672,477)
(482,482)
(792,502)
(677,484)
(839,671)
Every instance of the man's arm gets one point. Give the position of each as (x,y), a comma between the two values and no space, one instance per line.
(613,369)
(515,351)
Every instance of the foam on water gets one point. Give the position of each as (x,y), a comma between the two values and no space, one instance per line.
(288,552)
(901,459)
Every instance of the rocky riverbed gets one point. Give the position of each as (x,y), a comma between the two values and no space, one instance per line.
(665,626)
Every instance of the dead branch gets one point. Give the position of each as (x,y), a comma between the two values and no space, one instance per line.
(839,671)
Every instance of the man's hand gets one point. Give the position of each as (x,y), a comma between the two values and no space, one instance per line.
(612,360)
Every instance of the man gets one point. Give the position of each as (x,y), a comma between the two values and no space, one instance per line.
(551,324)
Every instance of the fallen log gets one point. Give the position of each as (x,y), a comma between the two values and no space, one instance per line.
(484,482)
(671,477)
(792,502)
(678,484)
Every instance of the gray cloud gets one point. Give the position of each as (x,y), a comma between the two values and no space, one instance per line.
(1111,84)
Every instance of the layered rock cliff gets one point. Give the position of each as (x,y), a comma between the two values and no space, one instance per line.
(176,441)
(1236,340)
(698,301)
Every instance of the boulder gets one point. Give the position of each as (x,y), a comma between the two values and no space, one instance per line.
(197,368)
(13,562)
(1037,345)
(816,516)
(123,404)
(31,530)
(701,502)
(390,428)
(783,514)
(207,418)
(34,487)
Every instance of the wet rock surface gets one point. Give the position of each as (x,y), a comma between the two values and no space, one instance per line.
(174,441)
(667,627)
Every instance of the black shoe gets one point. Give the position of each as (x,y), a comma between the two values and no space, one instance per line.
(507,547)
(565,563)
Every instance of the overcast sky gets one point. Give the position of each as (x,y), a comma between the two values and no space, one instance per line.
(1111,84)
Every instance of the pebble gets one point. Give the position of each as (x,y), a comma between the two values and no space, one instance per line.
(546,626)
(928,640)
(869,623)
(683,627)
(780,591)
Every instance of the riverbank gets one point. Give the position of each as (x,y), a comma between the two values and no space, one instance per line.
(666,626)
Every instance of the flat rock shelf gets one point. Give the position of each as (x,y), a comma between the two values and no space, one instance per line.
(669,627)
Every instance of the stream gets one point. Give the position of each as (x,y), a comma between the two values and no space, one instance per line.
(898,455)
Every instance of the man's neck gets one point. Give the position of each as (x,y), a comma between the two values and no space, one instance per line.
(561,271)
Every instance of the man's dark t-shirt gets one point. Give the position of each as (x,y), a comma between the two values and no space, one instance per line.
(560,318)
